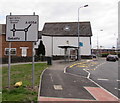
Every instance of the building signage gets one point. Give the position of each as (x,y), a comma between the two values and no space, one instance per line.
(22,28)
(80,44)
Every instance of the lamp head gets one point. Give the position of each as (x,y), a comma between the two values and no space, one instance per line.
(85,5)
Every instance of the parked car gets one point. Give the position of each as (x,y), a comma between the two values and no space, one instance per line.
(112,58)
(117,58)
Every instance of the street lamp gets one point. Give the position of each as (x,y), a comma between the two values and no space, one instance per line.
(79,57)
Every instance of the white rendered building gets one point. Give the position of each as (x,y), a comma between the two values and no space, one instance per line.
(66,34)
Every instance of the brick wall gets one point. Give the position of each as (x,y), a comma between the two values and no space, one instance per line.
(16,45)
(0,46)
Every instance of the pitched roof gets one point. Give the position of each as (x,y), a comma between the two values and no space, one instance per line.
(67,29)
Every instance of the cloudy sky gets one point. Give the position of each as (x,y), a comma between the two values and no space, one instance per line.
(103,15)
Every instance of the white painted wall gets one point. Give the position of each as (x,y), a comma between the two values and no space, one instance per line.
(47,41)
(57,41)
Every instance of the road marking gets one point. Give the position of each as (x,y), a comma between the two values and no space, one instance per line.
(117,89)
(74,81)
(93,63)
(118,80)
(51,77)
(88,73)
(81,66)
(58,87)
(103,79)
(89,69)
(88,60)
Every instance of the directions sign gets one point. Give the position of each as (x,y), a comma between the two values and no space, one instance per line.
(22,28)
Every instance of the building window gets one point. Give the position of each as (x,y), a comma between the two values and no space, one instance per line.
(12,51)
(24,51)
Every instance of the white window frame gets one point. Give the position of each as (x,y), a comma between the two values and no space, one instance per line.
(11,49)
(24,51)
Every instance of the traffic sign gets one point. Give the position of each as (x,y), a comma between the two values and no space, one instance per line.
(22,28)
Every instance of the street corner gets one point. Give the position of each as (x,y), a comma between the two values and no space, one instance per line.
(100,95)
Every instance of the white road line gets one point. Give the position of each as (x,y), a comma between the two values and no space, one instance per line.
(99,65)
(117,89)
(65,69)
(103,79)
(51,77)
(88,73)
(75,75)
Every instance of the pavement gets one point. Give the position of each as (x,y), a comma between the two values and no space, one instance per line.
(59,83)
(4,65)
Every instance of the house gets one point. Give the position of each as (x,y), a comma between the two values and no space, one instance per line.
(56,34)
(20,51)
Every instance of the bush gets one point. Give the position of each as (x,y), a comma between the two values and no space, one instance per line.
(104,54)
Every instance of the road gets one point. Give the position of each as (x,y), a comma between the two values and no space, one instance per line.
(56,83)
(74,80)
(106,75)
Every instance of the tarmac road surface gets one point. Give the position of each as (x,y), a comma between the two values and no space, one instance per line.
(71,81)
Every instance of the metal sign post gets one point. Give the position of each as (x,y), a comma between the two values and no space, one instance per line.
(9,64)
(33,65)
(22,28)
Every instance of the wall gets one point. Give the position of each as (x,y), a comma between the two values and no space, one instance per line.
(85,50)
(0,46)
(16,45)
(47,41)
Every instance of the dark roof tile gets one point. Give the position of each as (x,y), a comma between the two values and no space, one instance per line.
(67,29)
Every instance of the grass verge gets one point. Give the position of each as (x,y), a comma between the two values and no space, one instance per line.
(21,73)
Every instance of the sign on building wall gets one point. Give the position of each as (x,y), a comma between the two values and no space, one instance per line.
(80,44)
(22,28)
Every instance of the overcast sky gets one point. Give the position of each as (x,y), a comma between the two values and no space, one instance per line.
(103,15)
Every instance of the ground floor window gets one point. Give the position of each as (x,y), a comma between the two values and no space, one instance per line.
(24,51)
(12,51)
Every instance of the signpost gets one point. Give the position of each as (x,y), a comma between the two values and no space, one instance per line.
(21,28)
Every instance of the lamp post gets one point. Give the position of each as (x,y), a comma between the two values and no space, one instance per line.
(98,49)
(79,54)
